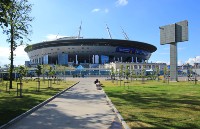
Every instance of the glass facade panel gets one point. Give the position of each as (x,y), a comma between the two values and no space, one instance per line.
(63,59)
(96,59)
(45,59)
(104,59)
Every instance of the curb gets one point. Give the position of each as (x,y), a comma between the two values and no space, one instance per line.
(121,119)
(34,108)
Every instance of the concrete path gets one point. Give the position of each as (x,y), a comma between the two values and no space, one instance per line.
(81,107)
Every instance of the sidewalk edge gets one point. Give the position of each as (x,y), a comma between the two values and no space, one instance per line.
(121,119)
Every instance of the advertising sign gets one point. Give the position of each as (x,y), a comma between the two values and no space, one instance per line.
(132,51)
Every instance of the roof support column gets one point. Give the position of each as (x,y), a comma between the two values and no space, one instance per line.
(136,60)
(76,59)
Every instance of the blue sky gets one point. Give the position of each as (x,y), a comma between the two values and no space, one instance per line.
(140,19)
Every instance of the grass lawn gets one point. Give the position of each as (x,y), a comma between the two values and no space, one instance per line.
(12,106)
(157,104)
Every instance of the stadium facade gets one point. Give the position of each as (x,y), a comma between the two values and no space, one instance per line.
(75,51)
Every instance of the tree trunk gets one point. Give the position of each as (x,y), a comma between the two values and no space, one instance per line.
(11,55)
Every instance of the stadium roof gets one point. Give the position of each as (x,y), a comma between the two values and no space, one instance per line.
(86,42)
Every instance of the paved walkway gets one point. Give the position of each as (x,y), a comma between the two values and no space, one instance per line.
(81,107)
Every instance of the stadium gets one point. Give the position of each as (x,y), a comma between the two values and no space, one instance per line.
(74,51)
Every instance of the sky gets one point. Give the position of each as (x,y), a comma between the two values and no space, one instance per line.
(140,19)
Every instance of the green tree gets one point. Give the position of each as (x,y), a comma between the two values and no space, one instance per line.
(121,73)
(132,72)
(17,19)
(112,74)
(51,72)
(4,6)
(22,72)
(157,72)
(127,72)
(165,73)
(38,71)
(143,72)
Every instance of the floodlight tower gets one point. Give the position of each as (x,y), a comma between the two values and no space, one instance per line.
(171,34)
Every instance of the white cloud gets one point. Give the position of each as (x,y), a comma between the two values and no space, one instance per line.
(180,63)
(100,10)
(5,51)
(121,2)
(193,60)
(19,58)
(168,63)
(106,10)
(53,37)
(95,10)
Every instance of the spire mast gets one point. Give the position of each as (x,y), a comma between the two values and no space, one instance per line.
(125,35)
(108,31)
(79,32)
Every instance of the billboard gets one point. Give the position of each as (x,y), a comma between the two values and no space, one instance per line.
(132,51)
(172,33)
(125,50)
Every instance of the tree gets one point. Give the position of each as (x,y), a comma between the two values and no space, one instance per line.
(51,72)
(112,74)
(143,72)
(121,73)
(22,72)
(127,72)
(38,72)
(4,5)
(17,26)
(157,72)
(132,72)
(165,73)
